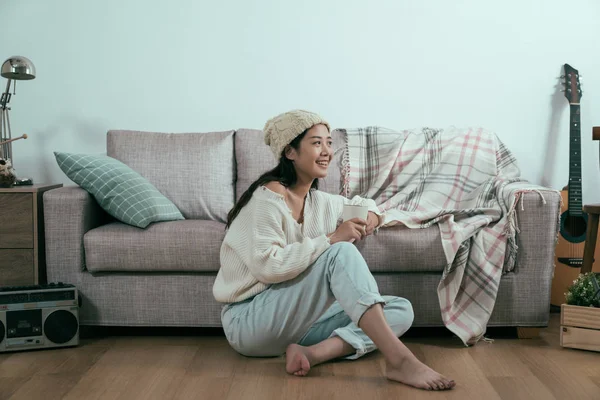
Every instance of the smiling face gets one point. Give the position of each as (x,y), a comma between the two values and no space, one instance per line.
(312,158)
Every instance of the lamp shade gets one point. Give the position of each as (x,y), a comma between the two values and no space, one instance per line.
(18,68)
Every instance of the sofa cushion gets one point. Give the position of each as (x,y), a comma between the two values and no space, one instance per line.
(119,190)
(400,249)
(194,170)
(194,245)
(190,245)
(254,157)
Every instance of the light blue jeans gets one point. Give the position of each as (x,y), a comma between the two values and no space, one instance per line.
(326,300)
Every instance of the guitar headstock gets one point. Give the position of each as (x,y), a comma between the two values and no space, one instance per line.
(572,84)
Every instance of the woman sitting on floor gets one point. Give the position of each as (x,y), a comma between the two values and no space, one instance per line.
(292,279)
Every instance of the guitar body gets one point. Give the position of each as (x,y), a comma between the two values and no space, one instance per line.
(568,258)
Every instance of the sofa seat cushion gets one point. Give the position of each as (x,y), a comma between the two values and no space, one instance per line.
(194,246)
(173,246)
(400,249)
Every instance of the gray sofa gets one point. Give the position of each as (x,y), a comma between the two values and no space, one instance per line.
(163,275)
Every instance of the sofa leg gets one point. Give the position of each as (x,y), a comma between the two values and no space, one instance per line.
(528,332)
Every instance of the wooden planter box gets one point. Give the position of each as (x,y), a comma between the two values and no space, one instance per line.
(580,327)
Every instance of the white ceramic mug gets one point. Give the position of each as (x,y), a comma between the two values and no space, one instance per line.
(352,211)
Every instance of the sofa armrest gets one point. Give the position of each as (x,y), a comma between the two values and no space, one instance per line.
(69,212)
(538,216)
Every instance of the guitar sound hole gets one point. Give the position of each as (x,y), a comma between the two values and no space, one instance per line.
(575,225)
(573,228)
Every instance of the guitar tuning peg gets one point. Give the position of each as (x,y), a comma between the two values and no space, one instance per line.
(562,90)
(562,77)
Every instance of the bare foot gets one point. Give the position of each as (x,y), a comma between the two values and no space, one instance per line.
(413,372)
(297,362)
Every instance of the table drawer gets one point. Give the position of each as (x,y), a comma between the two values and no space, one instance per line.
(16,266)
(16,220)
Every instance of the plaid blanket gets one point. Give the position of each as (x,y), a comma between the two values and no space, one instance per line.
(465,181)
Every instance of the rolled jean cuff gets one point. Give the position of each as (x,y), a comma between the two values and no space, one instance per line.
(363,303)
(350,337)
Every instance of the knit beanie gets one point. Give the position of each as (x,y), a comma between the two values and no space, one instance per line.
(282,129)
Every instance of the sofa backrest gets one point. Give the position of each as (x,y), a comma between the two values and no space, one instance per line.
(254,157)
(194,170)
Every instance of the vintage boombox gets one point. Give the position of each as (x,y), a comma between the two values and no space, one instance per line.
(39,316)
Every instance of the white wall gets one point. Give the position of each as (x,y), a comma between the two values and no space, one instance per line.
(196,66)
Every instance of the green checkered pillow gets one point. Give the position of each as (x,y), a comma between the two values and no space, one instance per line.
(120,191)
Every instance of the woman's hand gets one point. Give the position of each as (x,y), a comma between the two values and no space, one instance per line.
(354,229)
(372,222)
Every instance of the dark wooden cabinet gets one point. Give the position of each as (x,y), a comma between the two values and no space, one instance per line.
(22,252)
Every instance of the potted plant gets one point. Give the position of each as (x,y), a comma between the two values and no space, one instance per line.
(580,316)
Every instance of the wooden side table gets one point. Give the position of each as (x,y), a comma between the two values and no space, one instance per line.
(22,250)
(593,211)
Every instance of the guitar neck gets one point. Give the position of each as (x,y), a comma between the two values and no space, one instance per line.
(575,192)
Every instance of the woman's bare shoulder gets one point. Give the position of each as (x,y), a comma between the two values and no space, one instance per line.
(276,187)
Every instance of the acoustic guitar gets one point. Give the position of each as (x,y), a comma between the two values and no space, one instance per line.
(573,221)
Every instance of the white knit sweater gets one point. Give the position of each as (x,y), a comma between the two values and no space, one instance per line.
(266,245)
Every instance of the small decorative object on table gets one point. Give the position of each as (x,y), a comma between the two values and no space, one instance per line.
(7,174)
(580,316)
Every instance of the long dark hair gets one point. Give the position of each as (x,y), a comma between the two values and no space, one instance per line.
(284,173)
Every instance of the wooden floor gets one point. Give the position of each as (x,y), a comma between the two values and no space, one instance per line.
(152,366)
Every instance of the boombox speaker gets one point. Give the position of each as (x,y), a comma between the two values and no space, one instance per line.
(40,316)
